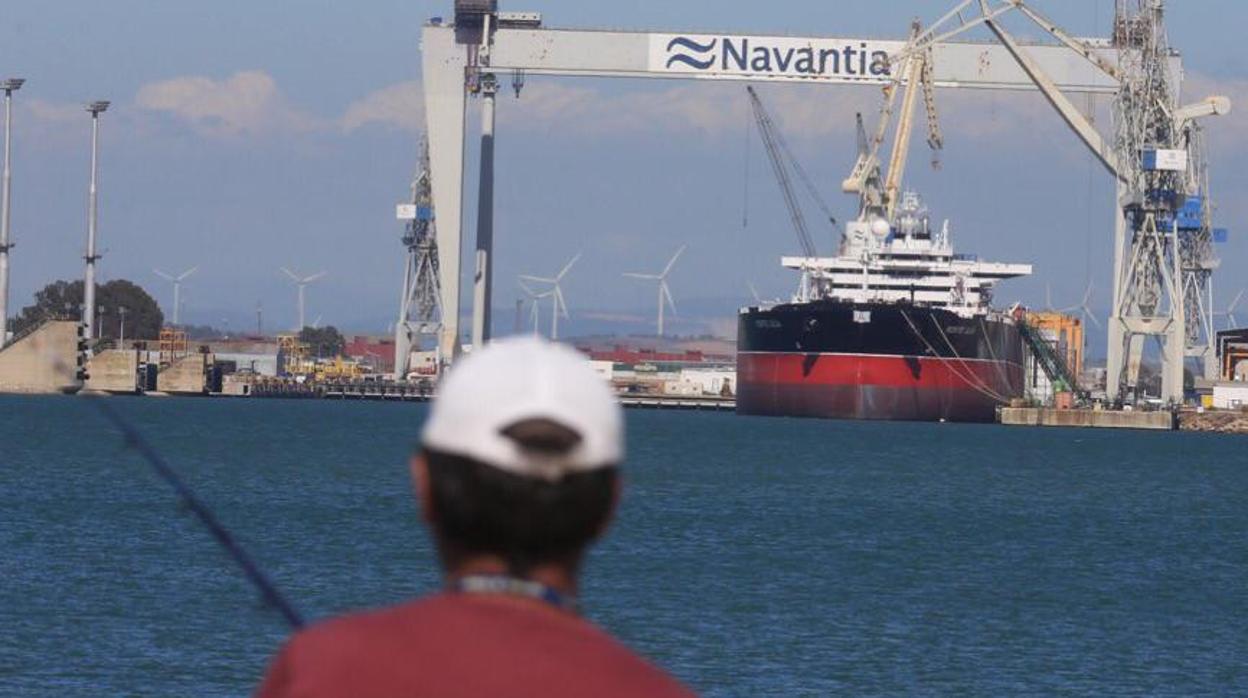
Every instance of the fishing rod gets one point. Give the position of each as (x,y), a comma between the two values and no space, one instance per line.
(134,439)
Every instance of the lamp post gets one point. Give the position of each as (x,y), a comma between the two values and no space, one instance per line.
(121,339)
(95,108)
(9,86)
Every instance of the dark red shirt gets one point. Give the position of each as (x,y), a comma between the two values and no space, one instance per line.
(461,645)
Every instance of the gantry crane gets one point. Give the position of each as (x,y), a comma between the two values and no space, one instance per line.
(420,312)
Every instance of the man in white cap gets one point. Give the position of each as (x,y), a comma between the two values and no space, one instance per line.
(517,477)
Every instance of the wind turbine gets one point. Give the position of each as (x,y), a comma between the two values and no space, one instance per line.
(1084,310)
(560,306)
(177,289)
(535,305)
(754,292)
(1231,321)
(302,283)
(665,293)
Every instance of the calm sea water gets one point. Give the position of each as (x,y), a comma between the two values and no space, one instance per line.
(753,557)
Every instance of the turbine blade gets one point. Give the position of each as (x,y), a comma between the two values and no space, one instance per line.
(668,269)
(162,275)
(188,273)
(315,277)
(1235,303)
(568,266)
(293,276)
(537,279)
(754,292)
(563,305)
(647,277)
(1092,316)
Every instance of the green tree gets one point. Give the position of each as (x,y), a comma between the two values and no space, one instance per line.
(323,342)
(63,300)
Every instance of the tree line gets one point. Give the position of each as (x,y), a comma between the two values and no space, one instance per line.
(62,300)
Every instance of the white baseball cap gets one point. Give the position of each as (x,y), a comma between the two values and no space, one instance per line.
(518,380)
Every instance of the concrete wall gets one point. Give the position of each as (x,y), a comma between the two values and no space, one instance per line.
(113,371)
(43,362)
(186,375)
(1105,419)
(711,381)
(1230,396)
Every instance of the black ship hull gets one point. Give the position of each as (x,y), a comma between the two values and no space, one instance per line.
(843,360)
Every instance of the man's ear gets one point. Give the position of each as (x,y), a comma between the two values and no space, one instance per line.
(420,482)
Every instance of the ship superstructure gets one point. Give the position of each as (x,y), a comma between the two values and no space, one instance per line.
(903,262)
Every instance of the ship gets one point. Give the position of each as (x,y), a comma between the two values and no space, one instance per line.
(896,326)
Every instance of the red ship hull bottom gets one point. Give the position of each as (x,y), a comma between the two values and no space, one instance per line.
(849,386)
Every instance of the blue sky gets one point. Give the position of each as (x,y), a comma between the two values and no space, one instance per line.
(248,136)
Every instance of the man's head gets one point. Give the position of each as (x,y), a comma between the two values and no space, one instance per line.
(520,457)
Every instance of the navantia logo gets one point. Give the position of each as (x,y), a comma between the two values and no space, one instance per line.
(685,51)
(787,57)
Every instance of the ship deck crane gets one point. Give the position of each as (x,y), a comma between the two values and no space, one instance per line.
(878,192)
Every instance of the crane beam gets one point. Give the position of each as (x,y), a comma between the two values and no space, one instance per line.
(1065,108)
(905,126)
(1080,47)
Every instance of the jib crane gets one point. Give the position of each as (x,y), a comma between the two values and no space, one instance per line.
(778,153)
(880,193)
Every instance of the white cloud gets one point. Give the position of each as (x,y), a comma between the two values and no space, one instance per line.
(246,103)
(398,106)
(44,112)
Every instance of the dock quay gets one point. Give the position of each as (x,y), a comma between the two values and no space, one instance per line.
(414,392)
(656,402)
(1085,418)
(369,391)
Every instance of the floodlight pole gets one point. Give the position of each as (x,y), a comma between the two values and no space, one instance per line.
(10,86)
(88,311)
(483,285)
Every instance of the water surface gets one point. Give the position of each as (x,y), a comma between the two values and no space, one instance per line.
(752,556)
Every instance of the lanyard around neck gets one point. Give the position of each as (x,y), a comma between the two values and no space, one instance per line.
(511,586)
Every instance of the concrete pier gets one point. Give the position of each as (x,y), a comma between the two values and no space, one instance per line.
(185,376)
(1099,419)
(42,362)
(113,371)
